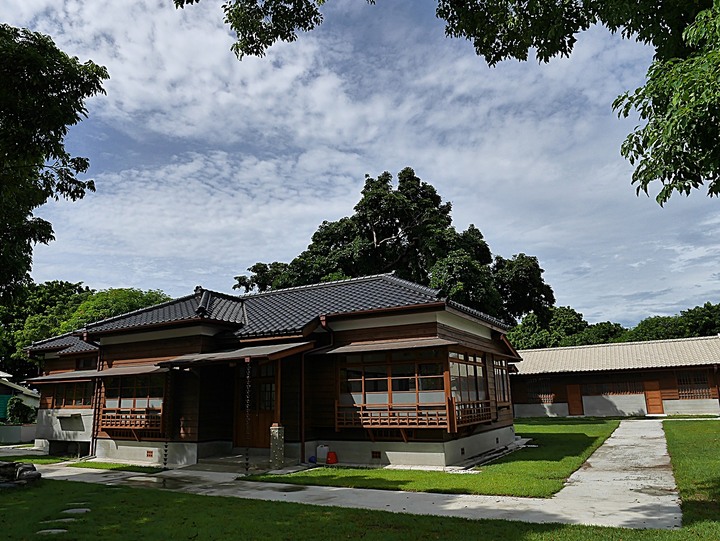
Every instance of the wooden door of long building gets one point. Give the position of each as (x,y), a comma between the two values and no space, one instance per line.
(574,398)
(254,412)
(653,398)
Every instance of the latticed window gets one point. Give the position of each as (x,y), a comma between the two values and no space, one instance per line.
(467,377)
(502,384)
(539,391)
(612,388)
(693,384)
(135,392)
(73,395)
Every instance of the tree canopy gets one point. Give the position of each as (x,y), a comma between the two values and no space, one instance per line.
(408,230)
(567,327)
(45,310)
(679,105)
(43,92)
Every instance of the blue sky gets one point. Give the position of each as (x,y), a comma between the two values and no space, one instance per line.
(205,165)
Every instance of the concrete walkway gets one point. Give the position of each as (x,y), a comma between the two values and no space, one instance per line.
(627,482)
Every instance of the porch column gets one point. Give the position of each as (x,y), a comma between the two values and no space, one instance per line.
(277,446)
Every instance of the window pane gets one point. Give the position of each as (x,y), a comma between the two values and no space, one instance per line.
(376,371)
(112,403)
(403,370)
(431,384)
(376,385)
(430,369)
(156,403)
(403,384)
(141,403)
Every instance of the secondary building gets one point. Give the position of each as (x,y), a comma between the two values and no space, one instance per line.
(381,370)
(632,378)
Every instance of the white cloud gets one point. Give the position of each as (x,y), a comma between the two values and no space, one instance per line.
(234,162)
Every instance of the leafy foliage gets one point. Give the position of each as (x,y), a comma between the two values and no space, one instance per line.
(43,92)
(680,103)
(52,308)
(19,413)
(567,327)
(408,230)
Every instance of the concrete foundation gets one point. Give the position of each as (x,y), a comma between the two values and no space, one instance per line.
(383,453)
(615,405)
(541,410)
(692,407)
(64,425)
(149,452)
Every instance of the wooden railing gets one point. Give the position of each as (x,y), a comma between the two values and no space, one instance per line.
(469,413)
(391,416)
(437,415)
(150,419)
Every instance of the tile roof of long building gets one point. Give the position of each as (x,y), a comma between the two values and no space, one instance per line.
(279,312)
(702,351)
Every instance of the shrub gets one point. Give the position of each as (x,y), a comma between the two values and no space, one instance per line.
(19,413)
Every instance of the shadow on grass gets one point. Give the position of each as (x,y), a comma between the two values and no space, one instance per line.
(702,504)
(552,447)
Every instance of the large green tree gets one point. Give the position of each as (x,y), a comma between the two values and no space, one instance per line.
(408,230)
(44,310)
(42,92)
(675,145)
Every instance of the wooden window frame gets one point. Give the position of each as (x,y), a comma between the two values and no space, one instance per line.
(693,385)
(80,395)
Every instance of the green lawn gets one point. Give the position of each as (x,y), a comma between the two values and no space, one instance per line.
(34,459)
(123,513)
(562,447)
(116,467)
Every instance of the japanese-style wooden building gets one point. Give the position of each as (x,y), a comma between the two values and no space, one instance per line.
(632,378)
(381,370)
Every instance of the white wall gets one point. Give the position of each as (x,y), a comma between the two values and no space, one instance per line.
(415,453)
(64,424)
(178,454)
(691,407)
(559,409)
(614,405)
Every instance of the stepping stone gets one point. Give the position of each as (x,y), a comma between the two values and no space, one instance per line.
(58,520)
(77,511)
(78,503)
(51,532)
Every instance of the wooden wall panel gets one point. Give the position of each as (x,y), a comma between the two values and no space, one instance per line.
(470,340)
(216,403)
(320,394)
(290,398)
(418,330)
(152,351)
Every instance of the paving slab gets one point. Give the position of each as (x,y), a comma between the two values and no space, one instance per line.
(627,482)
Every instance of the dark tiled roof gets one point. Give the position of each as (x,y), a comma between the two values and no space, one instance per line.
(287,311)
(64,344)
(479,315)
(203,305)
(283,311)
(55,343)
(80,347)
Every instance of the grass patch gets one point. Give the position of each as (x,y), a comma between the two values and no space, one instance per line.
(121,513)
(693,448)
(34,459)
(562,447)
(115,466)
